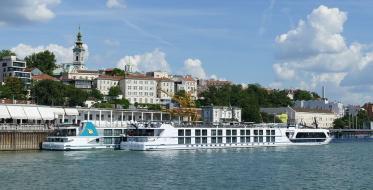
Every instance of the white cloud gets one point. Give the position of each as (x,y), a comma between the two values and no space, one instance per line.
(315,54)
(194,67)
(111,43)
(115,4)
(23,11)
(63,54)
(150,61)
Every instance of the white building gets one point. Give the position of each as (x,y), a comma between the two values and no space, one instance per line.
(82,79)
(165,90)
(322,104)
(217,114)
(307,117)
(139,88)
(13,67)
(186,83)
(104,82)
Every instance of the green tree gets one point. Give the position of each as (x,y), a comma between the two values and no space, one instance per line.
(13,88)
(114,91)
(118,72)
(305,95)
(75,96)
(122,102)
(6,52)
(339,123)
(48,92)
(96,94)
(45,61)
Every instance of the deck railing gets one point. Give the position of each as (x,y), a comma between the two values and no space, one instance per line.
(25,127)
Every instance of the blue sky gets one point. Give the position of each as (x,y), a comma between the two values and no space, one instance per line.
(234,40)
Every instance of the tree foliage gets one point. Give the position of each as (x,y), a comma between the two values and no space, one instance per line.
(13,88)
(305,95)
(118,72)
(47,92)
(6,52)
(349,121)
(250,99)
(114,91)
(45,61)
(96,94)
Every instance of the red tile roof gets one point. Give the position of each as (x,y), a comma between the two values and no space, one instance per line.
(108,77)
(43,77)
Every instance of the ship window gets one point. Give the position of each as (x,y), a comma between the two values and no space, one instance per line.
(247,132)
(242,139)
(242,132)
(260,139)
(247,139)
(255,132)
(108,141)
(213,132)
(180,140)
(188,132)
(220,132)
(116,140)
(310,135)
(255,138)
(180,133)
(220,139)
(198,132)
(273,132)
(188,140)
(204,140)
(198,140)
(260,132)
(213,139)
(117,132)
(228,132)
(268,139)
(108,132)
(204,132)
(234,139)
(234,132)
(228,139)
(273,139)
(268,132)
(85,116)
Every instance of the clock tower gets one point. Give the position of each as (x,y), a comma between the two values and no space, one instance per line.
(78,53)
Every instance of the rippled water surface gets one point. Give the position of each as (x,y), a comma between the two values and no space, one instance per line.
(334,166)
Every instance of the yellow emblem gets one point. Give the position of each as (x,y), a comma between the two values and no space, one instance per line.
(90,131)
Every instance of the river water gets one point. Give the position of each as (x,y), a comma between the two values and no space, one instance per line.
(333,166)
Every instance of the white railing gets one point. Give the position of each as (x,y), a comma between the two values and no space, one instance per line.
(25,127)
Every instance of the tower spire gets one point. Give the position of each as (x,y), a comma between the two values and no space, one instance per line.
(79,51)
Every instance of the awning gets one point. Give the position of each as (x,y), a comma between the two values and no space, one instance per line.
(32,112)
(4,112)
(17,112)
(46,113)
(71,111)
(58,111)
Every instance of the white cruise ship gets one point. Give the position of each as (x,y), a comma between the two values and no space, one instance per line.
(164,136)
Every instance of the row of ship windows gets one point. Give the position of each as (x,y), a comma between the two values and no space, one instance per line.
(214,140)
(219,132)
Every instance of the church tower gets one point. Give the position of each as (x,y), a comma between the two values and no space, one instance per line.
(78,52)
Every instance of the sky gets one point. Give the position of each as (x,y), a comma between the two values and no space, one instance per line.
(278,44)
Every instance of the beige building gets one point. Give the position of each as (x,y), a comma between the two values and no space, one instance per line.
(186,83)
(139,88)
(158,74)
(165,90)
(104,82)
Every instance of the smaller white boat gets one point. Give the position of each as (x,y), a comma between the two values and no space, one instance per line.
(87,137)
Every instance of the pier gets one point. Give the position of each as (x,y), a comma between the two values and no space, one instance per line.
(22,137)
(352,135)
